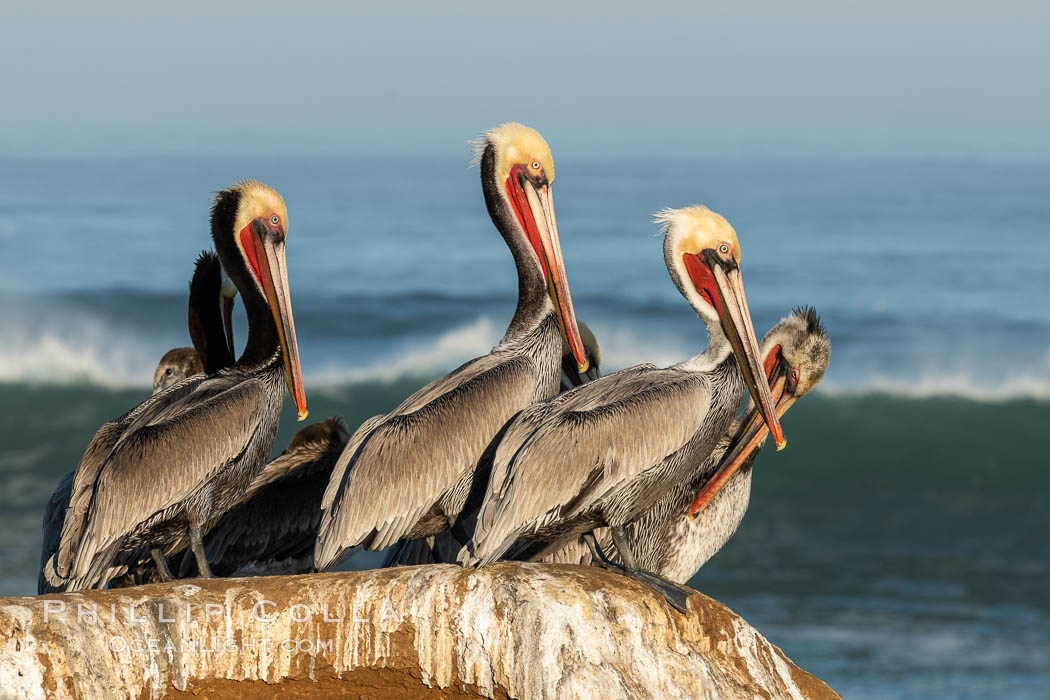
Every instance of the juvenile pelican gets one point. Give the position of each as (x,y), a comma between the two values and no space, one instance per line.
(176,365)
(408,473)
(208,292)
(167,470)
(668,541)
(602,454)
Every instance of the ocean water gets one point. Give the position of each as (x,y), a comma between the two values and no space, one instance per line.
(897,548)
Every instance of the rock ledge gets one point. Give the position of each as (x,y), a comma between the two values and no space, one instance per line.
(508,630)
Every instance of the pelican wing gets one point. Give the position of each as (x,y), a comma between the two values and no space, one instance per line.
(154,464)
(559,458)
(66,516)
(335,482)
(396,468)
(71,515)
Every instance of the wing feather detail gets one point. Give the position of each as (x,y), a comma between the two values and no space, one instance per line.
(142,464)
(396,467)
(561,457)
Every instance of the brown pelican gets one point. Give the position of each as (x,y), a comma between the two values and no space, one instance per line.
(443,547)
(176,365)
(604,453)
(208,293)
(408,474)
(667,541)
(170,467)
(273,528)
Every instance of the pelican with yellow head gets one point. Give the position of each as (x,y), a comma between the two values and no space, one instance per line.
(602,454)
(155,480)
(407,474)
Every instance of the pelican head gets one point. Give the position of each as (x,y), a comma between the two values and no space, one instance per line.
(517,171)
(176,365)
(703,256)
(796,353)
(249,227)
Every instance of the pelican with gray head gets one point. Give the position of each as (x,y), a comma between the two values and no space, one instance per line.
(154,480)
(604,453)
(408,473)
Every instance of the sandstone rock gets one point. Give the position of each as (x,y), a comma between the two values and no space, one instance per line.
(508,630)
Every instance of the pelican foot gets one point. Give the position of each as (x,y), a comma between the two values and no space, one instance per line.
(674,594)
(677,596)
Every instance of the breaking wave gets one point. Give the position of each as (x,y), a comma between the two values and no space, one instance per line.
(433,357)
(74,343)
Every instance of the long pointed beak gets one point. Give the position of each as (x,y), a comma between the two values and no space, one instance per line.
(541,204)
(736,321)
(274,277)
(744,445)
(227,323)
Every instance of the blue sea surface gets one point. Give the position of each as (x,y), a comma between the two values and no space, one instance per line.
(897,548)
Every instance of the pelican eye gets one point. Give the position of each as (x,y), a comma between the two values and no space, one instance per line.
(535,165)
(168,370)
(723,249)
(275,220)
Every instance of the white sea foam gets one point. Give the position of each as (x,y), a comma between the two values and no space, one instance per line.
(1025,385)
(432,357)
(76,348)
(90,351)
(76,351)
(623,347)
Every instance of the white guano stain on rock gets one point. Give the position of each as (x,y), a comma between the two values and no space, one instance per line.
(518,630)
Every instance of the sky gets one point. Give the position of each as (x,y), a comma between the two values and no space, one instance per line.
(830,77)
